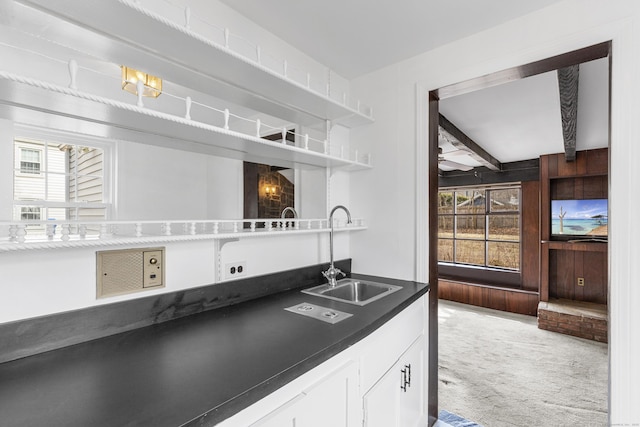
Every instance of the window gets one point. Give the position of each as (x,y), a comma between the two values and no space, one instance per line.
(30,160)
(30,214)
(62,179)
(480,226)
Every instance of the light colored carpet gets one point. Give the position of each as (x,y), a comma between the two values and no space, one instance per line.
(498,369)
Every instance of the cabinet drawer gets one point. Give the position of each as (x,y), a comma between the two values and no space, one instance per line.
(389,342)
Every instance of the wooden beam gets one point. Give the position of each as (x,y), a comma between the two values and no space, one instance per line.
(568,78)
(579,56)
(461,141)
(521,171)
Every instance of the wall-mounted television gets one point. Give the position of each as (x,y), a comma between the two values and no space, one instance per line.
(579,219)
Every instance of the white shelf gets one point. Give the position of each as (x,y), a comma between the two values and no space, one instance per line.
(39,103)
(123,32)
(128,233)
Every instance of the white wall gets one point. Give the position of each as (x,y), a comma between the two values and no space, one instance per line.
(160,183)
(400,94)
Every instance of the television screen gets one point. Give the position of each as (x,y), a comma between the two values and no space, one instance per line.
(585,218)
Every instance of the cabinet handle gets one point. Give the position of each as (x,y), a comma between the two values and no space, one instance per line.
(408,368)
(405,381)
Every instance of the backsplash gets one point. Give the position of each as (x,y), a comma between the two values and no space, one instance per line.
(36,335)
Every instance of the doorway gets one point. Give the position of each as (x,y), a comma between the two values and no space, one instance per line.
(601,50)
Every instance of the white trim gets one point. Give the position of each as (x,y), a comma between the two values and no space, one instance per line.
(624,372)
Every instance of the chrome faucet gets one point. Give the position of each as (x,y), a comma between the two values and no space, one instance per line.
(288,209)
(332,273)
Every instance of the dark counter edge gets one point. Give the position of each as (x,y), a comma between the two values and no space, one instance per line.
(36,335)
(253,395)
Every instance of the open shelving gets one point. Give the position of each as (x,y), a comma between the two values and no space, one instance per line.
(39,103)
(33,235)
(125,32)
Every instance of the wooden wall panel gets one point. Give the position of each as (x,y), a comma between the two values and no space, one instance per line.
(597,161)
(531,236)
(586,178)
(594,271)
(565,266)
(511,300)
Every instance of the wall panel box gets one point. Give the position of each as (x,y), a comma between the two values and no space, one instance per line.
(129,270)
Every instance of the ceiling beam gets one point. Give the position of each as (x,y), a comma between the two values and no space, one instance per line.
(568,78)
(579,56)
(520,171)
(462,142)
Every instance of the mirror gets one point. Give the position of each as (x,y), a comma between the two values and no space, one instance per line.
(268,190)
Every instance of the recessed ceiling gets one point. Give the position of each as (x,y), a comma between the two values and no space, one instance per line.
(356,37)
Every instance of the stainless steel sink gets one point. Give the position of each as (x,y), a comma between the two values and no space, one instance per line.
(353,291)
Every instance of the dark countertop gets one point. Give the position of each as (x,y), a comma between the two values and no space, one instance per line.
(196,370)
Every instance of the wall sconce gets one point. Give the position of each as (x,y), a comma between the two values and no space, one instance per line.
(270,190)
(152,84)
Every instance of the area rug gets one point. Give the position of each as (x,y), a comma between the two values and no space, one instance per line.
(454,420)
(499,370)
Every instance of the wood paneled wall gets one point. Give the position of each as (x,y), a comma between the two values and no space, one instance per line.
(504,299)
(562,263)
(565,266)
(530,218)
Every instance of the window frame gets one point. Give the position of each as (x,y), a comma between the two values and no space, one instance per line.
(26,134)
(24,210)
(25,172)
(452,265)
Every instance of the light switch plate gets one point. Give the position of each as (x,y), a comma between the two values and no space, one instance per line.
(153,268)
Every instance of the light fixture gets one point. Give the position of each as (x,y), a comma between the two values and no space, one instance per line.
(152,84)
(270,190)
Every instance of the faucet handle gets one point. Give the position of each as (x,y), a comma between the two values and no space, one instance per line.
(331,274)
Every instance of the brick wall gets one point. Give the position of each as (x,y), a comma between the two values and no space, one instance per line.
(281,194)
(578,325)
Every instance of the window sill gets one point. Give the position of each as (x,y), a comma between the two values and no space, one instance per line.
(480,275)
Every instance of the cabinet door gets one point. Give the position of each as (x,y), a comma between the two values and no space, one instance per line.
(412,400)
(333,402)
(284,416)
(328,403)
(398,398)
(381,406)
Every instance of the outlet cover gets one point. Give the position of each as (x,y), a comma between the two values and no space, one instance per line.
(236,269)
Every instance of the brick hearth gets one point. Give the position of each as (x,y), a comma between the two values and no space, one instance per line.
(577,318)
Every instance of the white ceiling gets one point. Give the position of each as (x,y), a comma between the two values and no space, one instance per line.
(355,37)
(516,121)
(521,120)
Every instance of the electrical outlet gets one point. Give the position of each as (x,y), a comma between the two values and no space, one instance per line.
(235,269)
(580,281)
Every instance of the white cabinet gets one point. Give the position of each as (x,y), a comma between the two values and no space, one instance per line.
(399,397)
(328,402)
(361,386)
